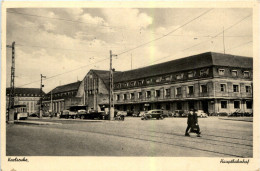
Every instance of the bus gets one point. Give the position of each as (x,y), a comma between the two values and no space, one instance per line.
(20,112)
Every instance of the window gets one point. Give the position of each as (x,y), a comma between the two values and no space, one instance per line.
(223,87)
(190,89)
(118,97)
(248,89)
(125,84)
(148,94)
(179,76)
(246,74)
(221,71)
(223,104)
(125,96)
(235,88)
(203,88)
(158,79)
(140,82)
(168,78)
(190,74)
(178,91)
(149,81)
(132,95)
(204,72)
(249,104)
(132,83)
(234,73)
(237,104)
(179,106)
(167,92)
(157,93)
(139,95)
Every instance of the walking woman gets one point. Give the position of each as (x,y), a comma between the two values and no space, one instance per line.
(192,123)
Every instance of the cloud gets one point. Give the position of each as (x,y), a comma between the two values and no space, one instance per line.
(129,18)
(92,20)
(50,47)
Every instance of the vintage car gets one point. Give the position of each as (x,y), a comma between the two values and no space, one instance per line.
(201,113)
(181,113)
(157,114)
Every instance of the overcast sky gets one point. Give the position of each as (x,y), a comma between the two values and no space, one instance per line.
(52,41)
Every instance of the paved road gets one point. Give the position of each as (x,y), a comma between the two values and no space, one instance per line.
(132,137)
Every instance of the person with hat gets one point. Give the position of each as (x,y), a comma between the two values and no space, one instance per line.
(192,123)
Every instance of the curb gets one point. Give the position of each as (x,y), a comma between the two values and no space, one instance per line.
(36,123)
(236,120)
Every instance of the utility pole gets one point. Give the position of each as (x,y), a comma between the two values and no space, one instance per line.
(41,95)
(111,96)
(11,93)
(51,103)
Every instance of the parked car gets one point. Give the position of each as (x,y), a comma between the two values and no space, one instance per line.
(167,113)
(219,114)
(64,114)
(201,114)
(119,112)
(142,113)
(158,114)
(136,114)
(181,113)
(33,115)
(237,113)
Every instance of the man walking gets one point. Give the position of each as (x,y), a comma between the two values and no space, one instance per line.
(192,123)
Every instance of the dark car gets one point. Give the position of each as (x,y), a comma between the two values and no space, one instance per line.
(158,114)
(33,115)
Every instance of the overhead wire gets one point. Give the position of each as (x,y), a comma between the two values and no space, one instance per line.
(141,45)
(219,32)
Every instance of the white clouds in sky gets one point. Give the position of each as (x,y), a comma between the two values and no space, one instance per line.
(84,36)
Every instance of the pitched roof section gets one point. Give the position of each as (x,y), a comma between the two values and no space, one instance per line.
(66,87)
(104,76)
(187,63)
(25,91)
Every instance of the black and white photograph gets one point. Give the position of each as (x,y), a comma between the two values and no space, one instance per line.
(139,82)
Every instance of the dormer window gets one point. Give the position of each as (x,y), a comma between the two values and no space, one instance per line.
(190,74)
(204,72)
(149,81)
(159,79)
(221,71)
(179,76)
(246,74)
(234,73)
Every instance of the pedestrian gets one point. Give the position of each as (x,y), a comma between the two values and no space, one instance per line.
(192,123)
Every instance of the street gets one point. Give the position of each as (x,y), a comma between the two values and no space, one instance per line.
(132,137)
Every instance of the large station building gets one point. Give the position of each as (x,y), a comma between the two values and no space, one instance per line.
(212,82)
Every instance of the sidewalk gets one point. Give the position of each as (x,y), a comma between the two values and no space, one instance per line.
(245,119)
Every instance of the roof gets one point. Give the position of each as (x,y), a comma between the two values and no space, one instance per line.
(25,91)
(187,63)
(66,88)
(104,76)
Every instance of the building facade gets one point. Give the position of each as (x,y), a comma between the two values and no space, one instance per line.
(26,96)
(212,82)
(62,97)
(94,89)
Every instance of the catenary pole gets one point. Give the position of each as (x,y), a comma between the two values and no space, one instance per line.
(111,96)
(12,89)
